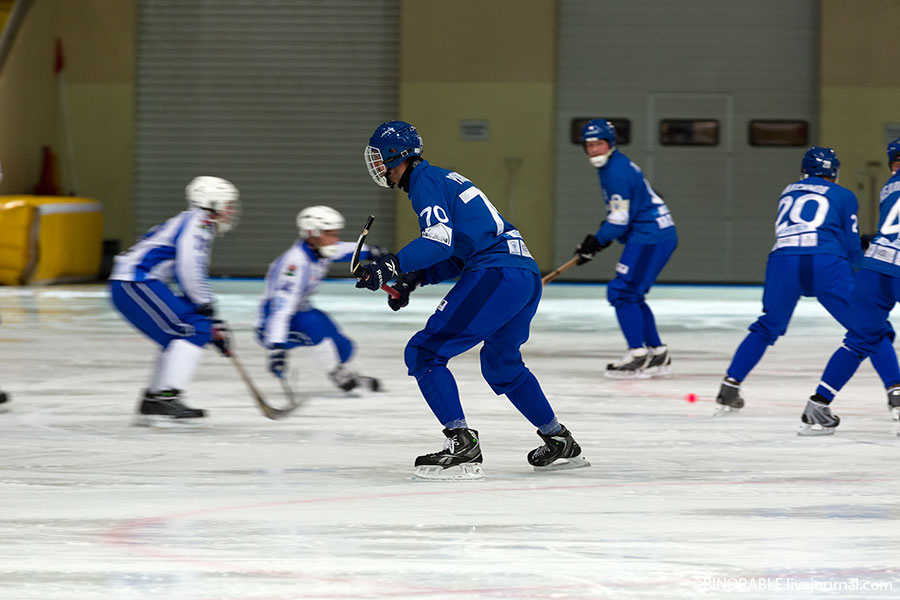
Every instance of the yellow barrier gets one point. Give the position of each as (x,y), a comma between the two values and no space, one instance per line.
(47,239)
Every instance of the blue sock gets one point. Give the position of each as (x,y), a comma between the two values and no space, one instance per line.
(651,335)
(747,355)
(530,400)
(440,392)
(631,322)
(838,371)
(885,362)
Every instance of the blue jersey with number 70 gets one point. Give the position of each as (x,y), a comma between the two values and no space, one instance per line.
(461,229)
(817,216)
(883,253)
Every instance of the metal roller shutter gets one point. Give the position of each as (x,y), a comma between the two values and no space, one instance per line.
(278,96)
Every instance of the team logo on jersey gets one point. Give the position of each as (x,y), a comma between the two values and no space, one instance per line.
(207,225)
(439,233)
(290,271)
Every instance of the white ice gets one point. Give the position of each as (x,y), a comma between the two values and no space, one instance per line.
(322,505)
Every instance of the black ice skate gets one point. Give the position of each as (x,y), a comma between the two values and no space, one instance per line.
(165,409)
(631,366)
(817,418)
(893,399)
(4,401)
(729,398)
(660,363)
(560,451)
(460,458)
(349,381)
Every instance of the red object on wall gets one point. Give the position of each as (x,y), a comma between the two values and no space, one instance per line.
(49,182)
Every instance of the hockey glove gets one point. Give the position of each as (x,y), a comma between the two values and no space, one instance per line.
(221,337)
(405,285)
(588,248)
(378,272)
(277,361)
(865,240)
(207,310)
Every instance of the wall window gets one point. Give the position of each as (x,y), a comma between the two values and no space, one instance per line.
(689,132)
(778,133)
(623,130)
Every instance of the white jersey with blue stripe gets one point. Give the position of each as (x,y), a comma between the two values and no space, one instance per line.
(175,252)
(291,279)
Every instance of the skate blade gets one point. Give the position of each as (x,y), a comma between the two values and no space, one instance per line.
(463,472)
(723,410)
(564,464)
(895,413)
(663,371)
(813,430)
(164,422)
(628,375)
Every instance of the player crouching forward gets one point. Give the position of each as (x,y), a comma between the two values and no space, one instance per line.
(493,302)
(176,252)
(287,319)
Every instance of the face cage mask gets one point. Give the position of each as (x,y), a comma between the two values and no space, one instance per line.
(601,159)
(375,164)
(227,218)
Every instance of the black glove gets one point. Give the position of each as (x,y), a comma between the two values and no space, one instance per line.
(377,252)
(405,285)
(378,272)
(277,361)
(866,239)
(588,248)
(221,337)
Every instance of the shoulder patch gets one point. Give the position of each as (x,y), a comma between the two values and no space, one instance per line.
(439,233)
(290,270)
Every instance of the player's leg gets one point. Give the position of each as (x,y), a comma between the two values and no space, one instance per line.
(872,299)
(173,323)
(331,349)
(505,371)
(473,309)
(781,292)
(636,271)
(834,285)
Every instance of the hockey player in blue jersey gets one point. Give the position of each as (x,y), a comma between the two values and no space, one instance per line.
(494,301)
(875,294)
(181,318)
(288,319)
(637,217)
(817,243)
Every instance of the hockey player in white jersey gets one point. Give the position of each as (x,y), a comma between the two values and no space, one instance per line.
(288,319)
(161,286)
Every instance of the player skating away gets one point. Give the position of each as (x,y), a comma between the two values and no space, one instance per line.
(637,217)
(180,318)
(876,292)
(288,319)
(493,302)
(817,243)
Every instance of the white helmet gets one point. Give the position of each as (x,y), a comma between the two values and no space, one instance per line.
(219,197)
(313,220)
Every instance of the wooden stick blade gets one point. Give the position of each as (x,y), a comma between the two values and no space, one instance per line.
(354,260)
(559,270)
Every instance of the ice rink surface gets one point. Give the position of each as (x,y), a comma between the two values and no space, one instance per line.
(676,505)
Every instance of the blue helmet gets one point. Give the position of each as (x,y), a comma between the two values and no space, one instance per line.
(391,144)
(820,162)
(598,129)
(893,151)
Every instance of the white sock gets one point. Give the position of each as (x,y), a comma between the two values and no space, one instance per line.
(179,361)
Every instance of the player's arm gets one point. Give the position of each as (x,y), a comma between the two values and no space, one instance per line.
(368,252)
(286,286)
(620,209)
(193,246)
(852,241)
(435,243)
